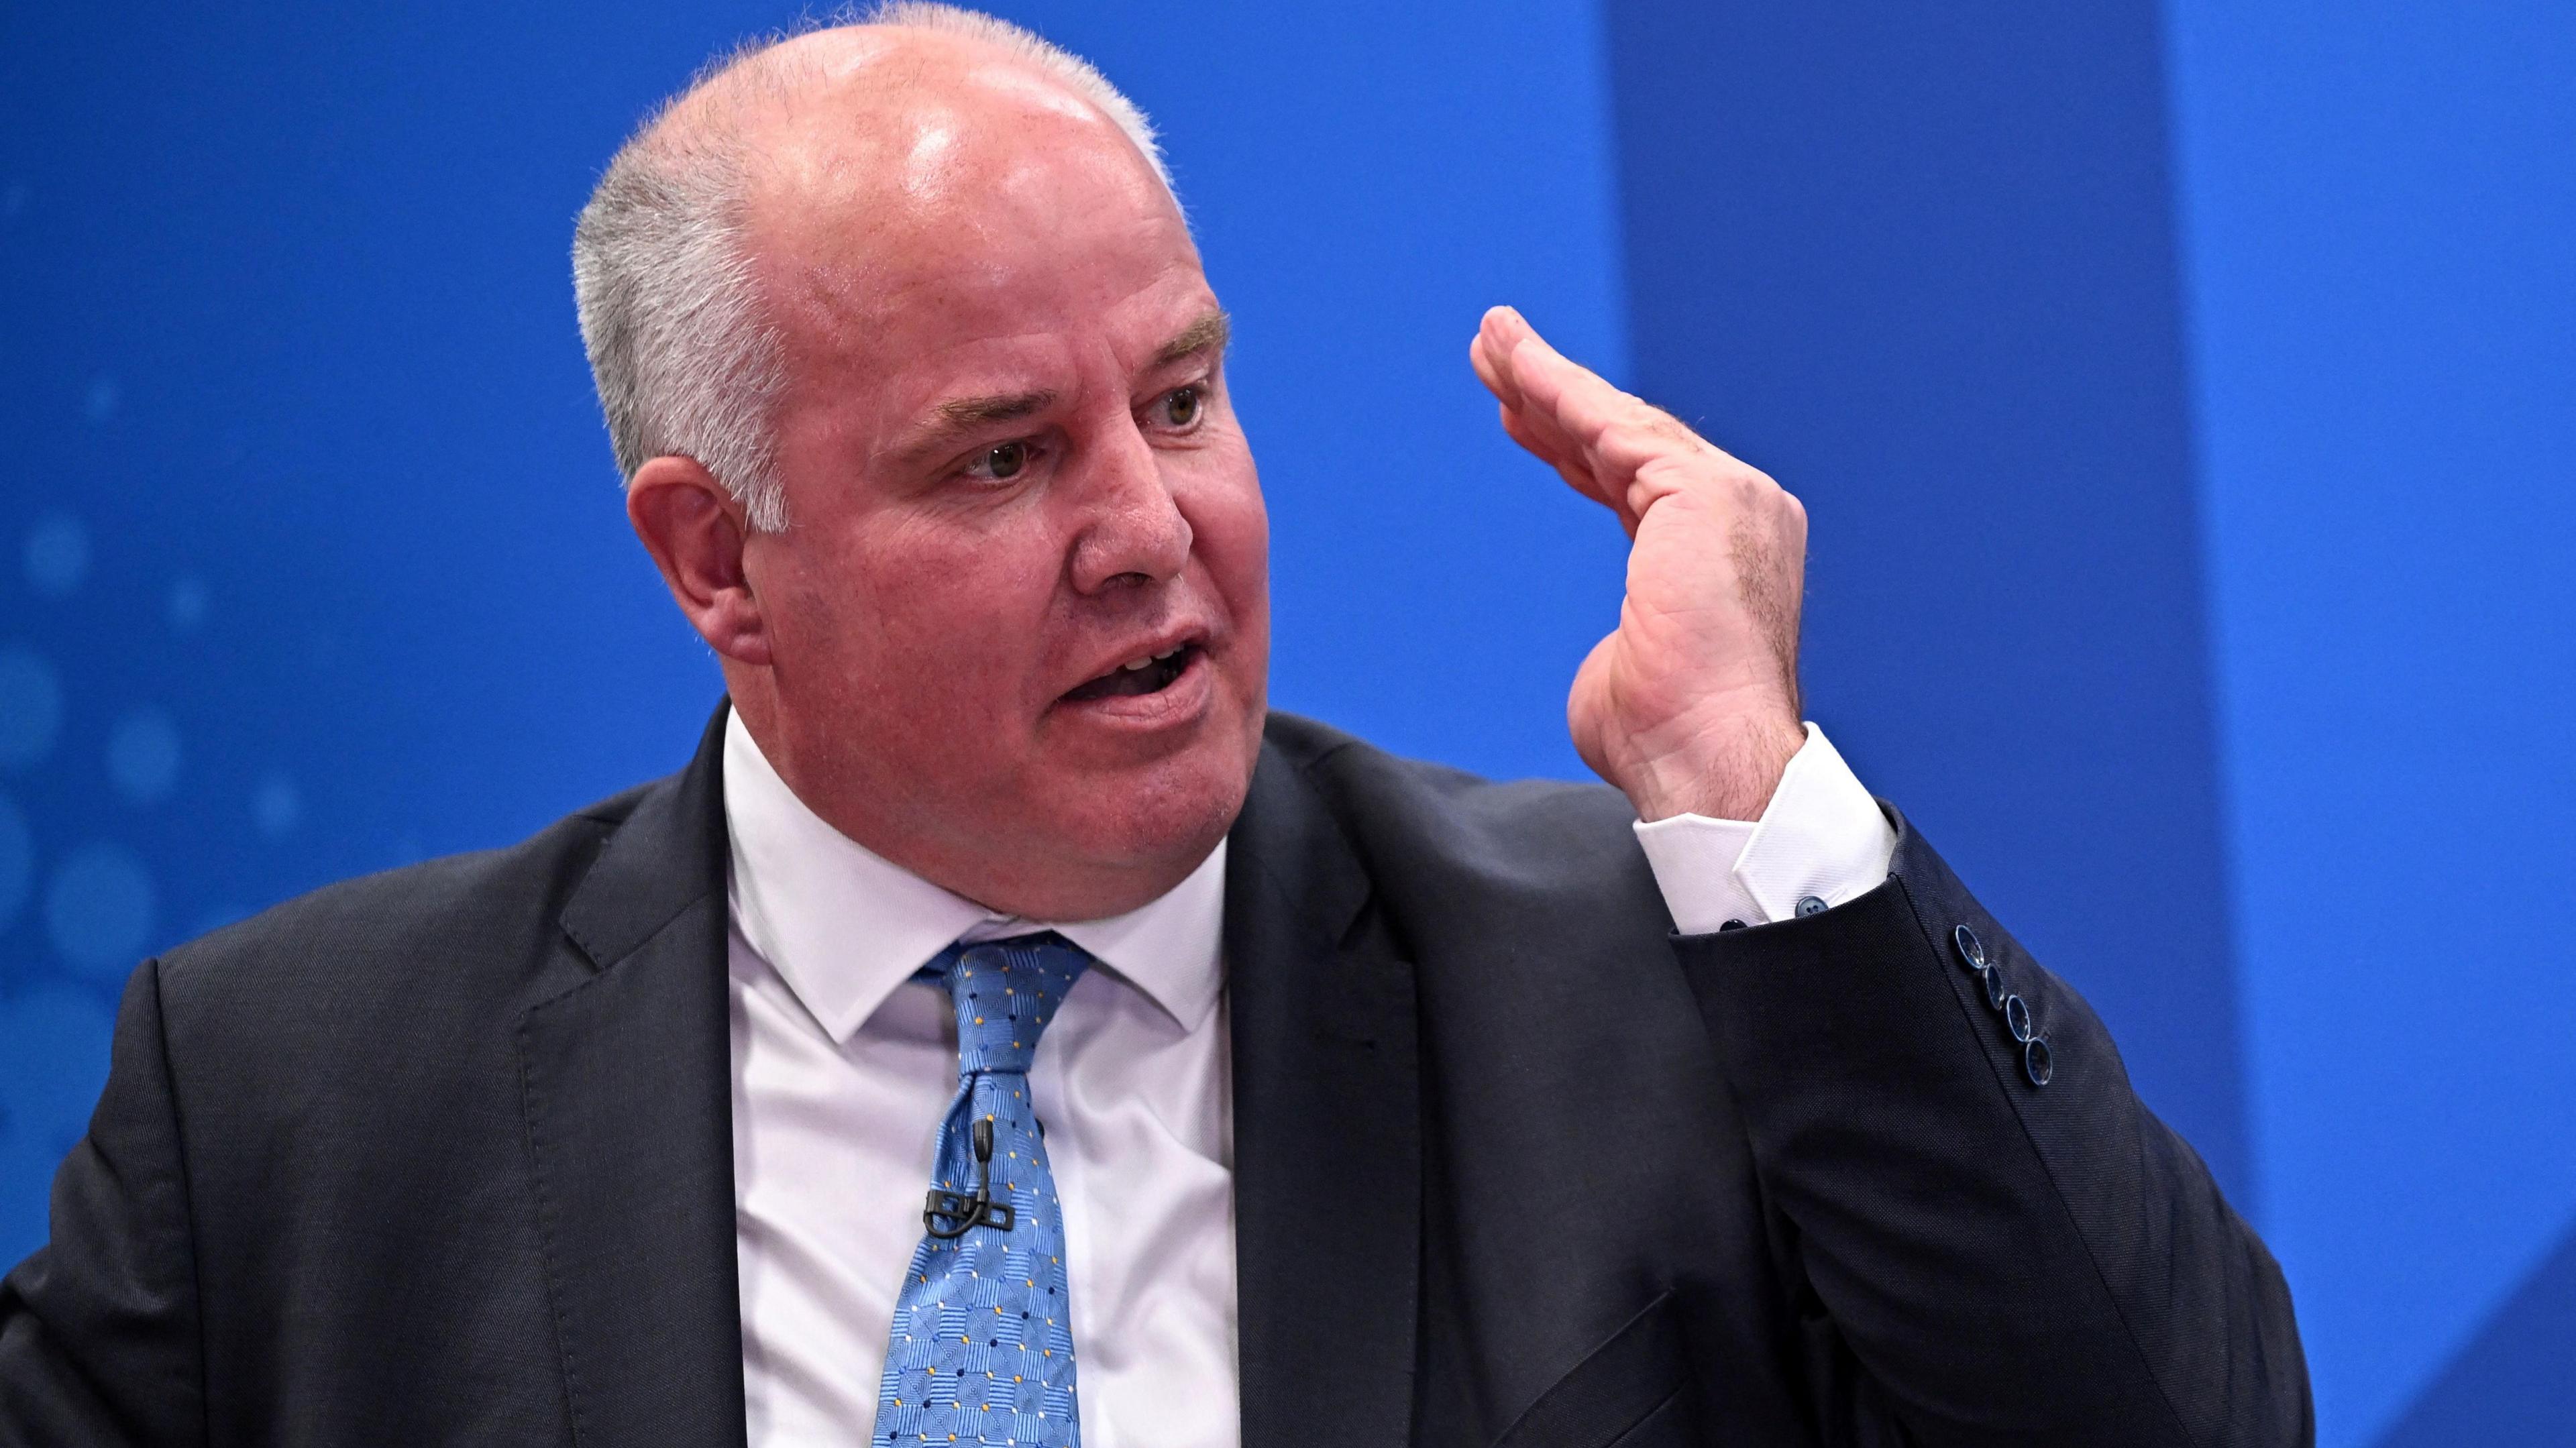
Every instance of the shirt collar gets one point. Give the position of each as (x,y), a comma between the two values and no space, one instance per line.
(844,926)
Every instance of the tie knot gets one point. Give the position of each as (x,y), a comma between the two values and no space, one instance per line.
(1005,992)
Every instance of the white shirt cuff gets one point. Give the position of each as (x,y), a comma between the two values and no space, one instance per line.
(1821,835)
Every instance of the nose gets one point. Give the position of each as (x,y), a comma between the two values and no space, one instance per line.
(1133,533)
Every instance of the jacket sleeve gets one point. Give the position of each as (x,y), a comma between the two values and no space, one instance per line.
(99,1328)
(1995,1260)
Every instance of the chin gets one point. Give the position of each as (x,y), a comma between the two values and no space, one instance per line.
(1154,823)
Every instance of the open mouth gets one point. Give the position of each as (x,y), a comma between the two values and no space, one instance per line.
(1150,675)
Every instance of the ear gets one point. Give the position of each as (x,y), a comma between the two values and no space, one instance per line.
(694,529)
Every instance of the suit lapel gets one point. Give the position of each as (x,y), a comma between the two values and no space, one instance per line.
(626,1078)
(1328,1150)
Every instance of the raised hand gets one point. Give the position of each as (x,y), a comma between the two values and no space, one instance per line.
(1691,704)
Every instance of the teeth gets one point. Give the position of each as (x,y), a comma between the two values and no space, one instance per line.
(1132,665)
(1167,653)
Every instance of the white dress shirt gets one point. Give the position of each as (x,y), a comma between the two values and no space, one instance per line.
(843,1067)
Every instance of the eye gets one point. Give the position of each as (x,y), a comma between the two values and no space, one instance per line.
(1181,406)
(1001,462)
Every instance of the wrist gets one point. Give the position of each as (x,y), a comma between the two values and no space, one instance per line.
(1727,772)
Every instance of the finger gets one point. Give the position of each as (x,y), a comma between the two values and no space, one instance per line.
(1573,396)
(1549,450)
(1489,371)
(1503,331)
(1499,339)
(1545,440)
(1490,353)
(1621,436)
(1583,403)
(1578,473)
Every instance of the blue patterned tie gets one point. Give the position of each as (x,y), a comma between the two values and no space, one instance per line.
(981,1349)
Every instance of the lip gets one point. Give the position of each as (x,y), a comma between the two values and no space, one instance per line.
(1181,701)
(1161,643)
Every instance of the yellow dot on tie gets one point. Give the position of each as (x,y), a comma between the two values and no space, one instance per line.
(979,1020)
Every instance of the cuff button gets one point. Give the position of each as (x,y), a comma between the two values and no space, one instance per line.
(1993,976)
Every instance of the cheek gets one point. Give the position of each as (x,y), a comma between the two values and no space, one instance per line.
(907,609)
(1230,528)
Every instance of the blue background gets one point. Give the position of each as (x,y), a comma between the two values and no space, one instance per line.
(2182,393)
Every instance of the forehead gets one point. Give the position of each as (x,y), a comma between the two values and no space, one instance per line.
(961,205)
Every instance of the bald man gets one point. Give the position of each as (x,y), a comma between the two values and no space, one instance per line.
(1006,1030)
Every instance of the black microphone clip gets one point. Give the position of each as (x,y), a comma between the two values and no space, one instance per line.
(948,1215)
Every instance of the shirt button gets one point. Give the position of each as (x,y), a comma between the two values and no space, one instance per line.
(1731,925)
(1810,905)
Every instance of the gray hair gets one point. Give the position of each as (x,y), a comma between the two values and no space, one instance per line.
(684,359)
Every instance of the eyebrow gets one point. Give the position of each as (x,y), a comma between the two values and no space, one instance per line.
(1209,333)
(960,415)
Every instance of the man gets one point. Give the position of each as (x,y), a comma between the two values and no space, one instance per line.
(1005,1031)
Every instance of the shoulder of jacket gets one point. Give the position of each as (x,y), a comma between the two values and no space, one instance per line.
(1411,819)
(395,921)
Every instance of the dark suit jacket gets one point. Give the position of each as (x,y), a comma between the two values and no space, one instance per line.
(445,1156)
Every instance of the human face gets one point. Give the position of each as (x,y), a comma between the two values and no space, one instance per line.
(1012,472)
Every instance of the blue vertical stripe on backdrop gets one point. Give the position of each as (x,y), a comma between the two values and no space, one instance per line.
(1917,263)
(313,557)
(2380,233)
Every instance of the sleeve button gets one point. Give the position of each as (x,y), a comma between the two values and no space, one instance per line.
(1972,951)
(2035,1060)
(2017,1019)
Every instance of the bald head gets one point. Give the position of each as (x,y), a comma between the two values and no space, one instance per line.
(871,137)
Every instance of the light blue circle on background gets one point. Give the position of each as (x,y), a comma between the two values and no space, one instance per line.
(275,806)
(57,555)
(187,603)
(104,398)
(53,1064)
(17,860)
(99,911)
(31,707)
(143,756)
